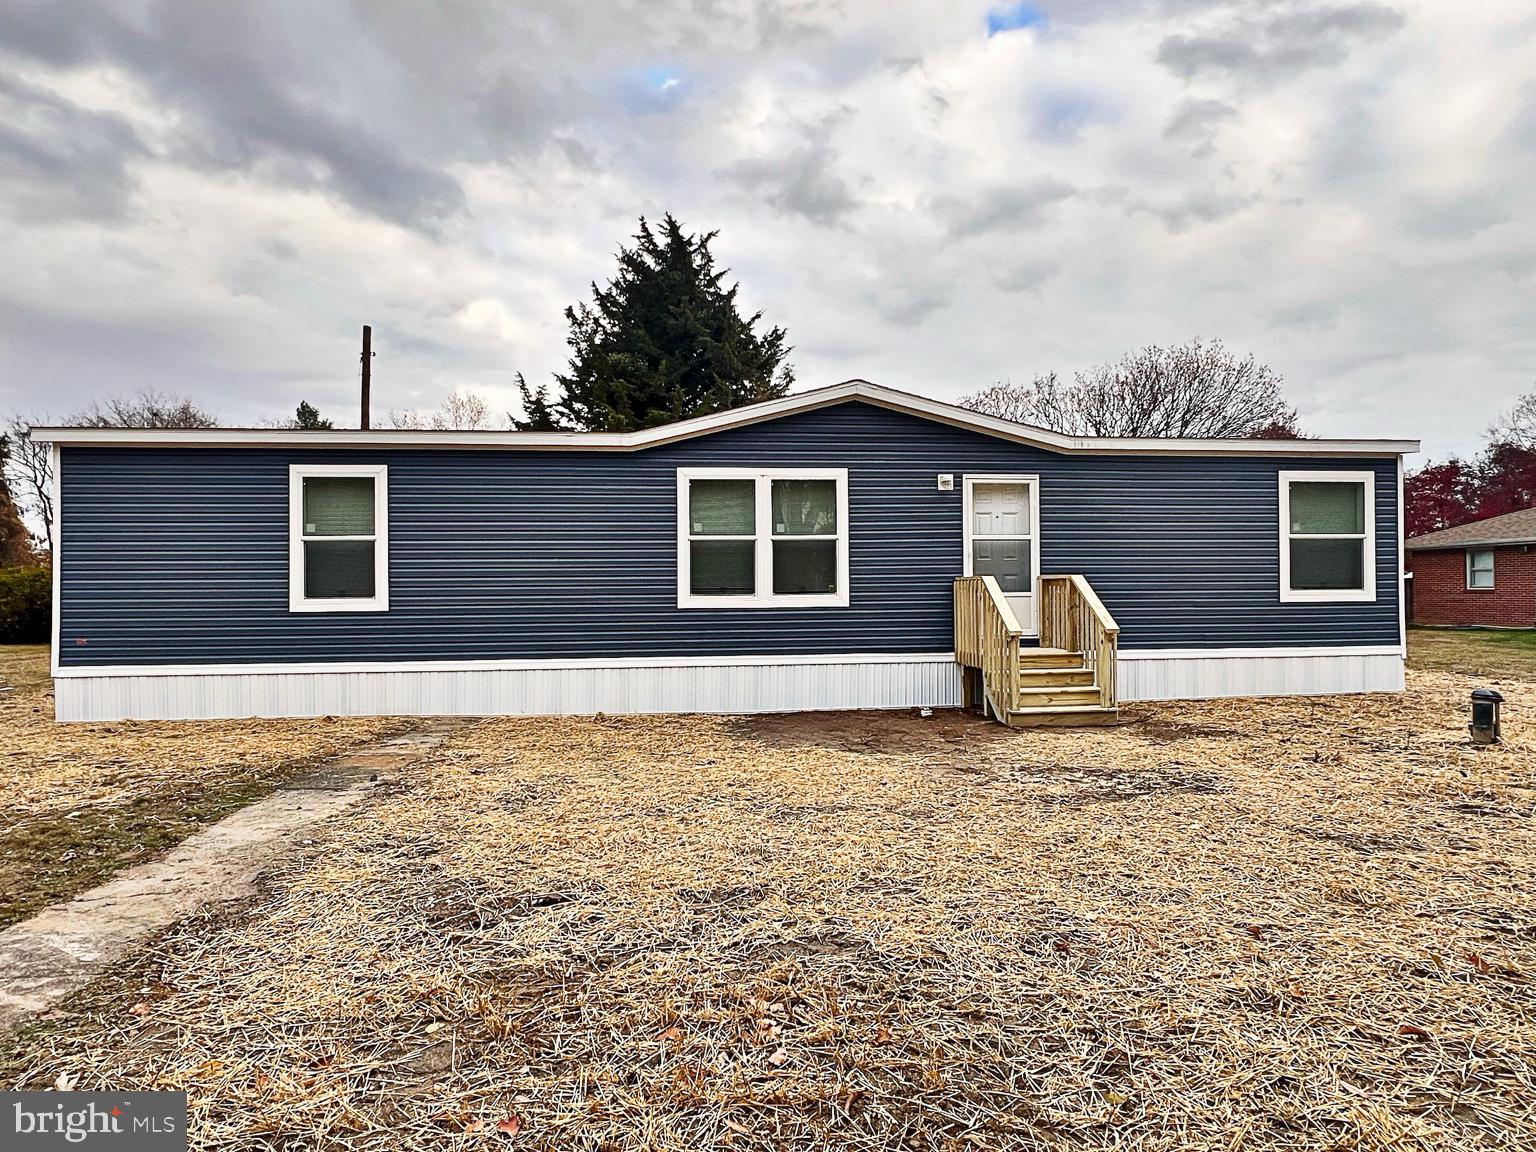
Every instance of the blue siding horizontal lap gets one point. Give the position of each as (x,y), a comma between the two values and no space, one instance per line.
(180,556)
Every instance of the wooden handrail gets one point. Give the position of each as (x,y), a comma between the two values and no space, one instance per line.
(987,637)
(1095,605)
(1073,617)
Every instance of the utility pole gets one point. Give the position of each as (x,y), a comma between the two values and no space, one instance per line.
(367,369)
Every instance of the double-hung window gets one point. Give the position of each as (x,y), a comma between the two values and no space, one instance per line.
(1479,568)
(1327,537)
(749,538)
(338,538)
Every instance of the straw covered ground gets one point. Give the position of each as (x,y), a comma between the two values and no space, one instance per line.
(78,802)
(1260,924)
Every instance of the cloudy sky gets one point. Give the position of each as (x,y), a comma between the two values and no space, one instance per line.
(209,199)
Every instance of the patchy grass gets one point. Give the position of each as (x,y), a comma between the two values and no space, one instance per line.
(79,802)
(1489,654)
(24,668)
(1280,924)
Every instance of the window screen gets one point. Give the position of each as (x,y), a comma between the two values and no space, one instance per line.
(338,506)
(1327,508)
(722,508)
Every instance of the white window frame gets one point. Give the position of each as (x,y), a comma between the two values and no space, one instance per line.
(763,595)
(1367,594)
(379,601)
(1492,563)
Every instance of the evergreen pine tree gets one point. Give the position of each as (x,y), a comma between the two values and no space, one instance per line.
(306,418)
(662,342)
(538,415)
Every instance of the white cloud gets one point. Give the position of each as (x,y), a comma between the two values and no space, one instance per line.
(489,318)
(1344,192)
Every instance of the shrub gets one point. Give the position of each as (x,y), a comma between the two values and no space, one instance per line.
(26,605)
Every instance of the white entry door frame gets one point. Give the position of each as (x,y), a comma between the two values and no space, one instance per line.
(1001,522)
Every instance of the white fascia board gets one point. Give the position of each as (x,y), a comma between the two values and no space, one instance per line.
(719,422)
(1134,654)
(344,438)
(269,668)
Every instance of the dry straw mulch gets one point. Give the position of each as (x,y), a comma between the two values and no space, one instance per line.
(1261,924)
(80,801)
(47,768)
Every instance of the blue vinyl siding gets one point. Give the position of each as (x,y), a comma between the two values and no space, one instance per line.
(180,556)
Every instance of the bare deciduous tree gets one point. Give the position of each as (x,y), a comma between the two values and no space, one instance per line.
(29,470)
(1518,425)
(1025,403)
(462,411)
(148,409)
(1194,389)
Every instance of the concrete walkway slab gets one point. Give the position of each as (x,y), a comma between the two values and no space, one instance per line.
(64,947)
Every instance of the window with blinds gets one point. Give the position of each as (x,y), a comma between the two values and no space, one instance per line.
(1328,544)
(338,546)
(749,539)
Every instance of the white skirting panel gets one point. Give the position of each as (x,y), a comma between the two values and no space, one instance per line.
(718,684)
(1189,674)
(756,685)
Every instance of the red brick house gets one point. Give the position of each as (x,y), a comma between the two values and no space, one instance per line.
(1481,574)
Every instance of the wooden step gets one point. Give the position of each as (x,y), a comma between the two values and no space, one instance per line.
(1057,697)
(1063,717)
(1049,658)
(1041,677)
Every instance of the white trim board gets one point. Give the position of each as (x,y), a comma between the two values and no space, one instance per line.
(1403,575)
(703,425)
(1256,653)
(348,666)
(57,559)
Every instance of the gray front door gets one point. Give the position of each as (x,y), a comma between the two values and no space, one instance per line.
(1003,542)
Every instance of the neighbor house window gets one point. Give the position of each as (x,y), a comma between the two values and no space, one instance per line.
(762,539)
(1327,536)
(1480,569)
(338,538)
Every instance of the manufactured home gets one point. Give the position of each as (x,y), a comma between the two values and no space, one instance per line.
(850,547)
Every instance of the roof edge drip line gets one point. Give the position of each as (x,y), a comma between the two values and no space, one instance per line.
(861,390)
